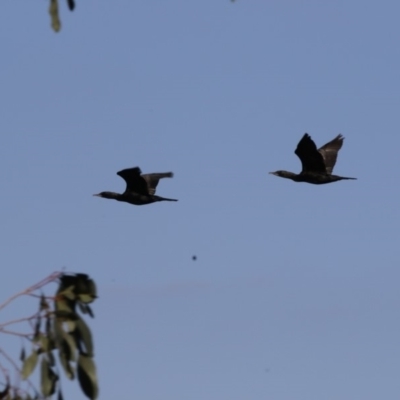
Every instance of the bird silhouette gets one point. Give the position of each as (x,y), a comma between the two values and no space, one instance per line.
(317,164)
(140,189)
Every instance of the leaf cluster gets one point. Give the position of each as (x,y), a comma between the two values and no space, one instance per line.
(61,333)
(54,13)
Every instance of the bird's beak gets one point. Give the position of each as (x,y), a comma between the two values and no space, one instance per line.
(272,173)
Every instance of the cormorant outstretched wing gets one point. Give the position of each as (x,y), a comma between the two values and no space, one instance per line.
(134,181)
(311,159)
(330,151)
(153,179)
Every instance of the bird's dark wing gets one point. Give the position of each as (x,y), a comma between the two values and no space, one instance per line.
(330,151)
(134,181)
(152,180)
(311,159)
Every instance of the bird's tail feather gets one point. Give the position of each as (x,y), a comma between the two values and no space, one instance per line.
(159,198)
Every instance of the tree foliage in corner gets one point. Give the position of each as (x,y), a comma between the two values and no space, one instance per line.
(54,14)
(59,336)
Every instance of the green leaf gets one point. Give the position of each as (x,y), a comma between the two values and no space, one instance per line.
(83,336)
(65,342)
(44,343)
(85,298)
(29,365)
(87,376)
(48,378)
(66,349)
(68,369)
(68,292)
(85,288)
(69,347)
(53,11)
(65,309)
(71,325)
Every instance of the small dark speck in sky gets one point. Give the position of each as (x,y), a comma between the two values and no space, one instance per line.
(194,258)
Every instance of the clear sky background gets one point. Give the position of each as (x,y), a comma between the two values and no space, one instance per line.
(295,291)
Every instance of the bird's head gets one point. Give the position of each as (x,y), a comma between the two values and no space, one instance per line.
(107,195)
(285,174)
(278,173)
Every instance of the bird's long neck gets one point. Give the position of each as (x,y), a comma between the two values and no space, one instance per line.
(111,195)
(289,175)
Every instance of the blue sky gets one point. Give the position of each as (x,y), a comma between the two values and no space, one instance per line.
(294,294)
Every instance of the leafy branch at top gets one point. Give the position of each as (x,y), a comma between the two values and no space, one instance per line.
(57,329)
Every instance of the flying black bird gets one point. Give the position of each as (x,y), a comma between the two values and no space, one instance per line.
(317,163)
(140,189)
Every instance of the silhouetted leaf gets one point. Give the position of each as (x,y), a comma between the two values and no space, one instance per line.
(50,358)
(68,369)
(71,4)
(83,336)
(4,393)
(60,396)
(29,365)
(22,355)
(48,327)
(92,290)
(82,307)
(48,378)
(87,376)
(53,11)
(89,310)
(36,331)
(66,280)
(85,308)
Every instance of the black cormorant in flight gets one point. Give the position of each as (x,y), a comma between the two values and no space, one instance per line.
(140,189)
(317,163)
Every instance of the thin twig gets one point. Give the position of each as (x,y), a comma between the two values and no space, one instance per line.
(52,277)
(14,364)
(19,320)
(24,335)
(5,372)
